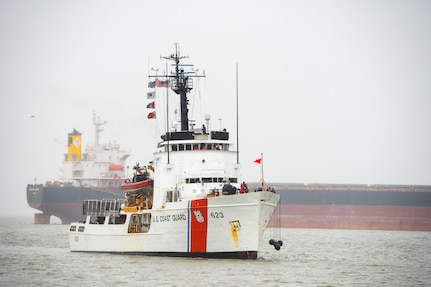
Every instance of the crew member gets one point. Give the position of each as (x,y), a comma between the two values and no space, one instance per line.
(244,188)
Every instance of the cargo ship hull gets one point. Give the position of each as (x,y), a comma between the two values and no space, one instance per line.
(300,206)
(354,207)
(412,218)
(64,202)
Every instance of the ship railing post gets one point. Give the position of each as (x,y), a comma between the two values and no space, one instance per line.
(261,170)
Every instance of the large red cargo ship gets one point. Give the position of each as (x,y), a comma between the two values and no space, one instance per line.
(349,206)
(99,172)
(382,207)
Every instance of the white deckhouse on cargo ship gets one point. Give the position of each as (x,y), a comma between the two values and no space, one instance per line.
(188,202)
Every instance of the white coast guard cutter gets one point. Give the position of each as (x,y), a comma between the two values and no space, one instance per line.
(194,206)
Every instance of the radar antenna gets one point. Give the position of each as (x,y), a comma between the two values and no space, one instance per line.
(181,83)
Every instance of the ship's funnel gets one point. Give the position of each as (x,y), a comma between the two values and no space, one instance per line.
(74,143)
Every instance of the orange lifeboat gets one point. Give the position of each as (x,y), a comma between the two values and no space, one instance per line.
(144,186)
(115,166)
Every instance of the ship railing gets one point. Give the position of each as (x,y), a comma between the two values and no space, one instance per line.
(355,187)
(103,207)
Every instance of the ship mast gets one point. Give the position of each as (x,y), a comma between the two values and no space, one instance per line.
(181,84)
(98,127)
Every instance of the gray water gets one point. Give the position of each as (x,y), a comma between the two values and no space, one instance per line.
(38,255)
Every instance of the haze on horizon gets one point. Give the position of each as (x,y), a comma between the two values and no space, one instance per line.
(330,91)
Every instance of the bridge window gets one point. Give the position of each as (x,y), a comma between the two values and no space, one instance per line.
(193,180)
(211,179)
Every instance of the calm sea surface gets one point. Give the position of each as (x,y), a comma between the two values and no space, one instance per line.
(38,255)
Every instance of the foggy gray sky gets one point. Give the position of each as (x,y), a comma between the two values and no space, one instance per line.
(330,91)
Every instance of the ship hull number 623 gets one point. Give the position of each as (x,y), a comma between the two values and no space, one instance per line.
(217,214)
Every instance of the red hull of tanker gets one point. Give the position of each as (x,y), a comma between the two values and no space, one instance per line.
(412,218)
(301,206)
(315,216)
(68,212)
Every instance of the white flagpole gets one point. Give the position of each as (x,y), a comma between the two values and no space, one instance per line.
(261,162)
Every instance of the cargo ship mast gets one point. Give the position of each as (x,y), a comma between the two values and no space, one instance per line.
(99,127)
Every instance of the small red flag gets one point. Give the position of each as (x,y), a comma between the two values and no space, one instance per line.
(258,160)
